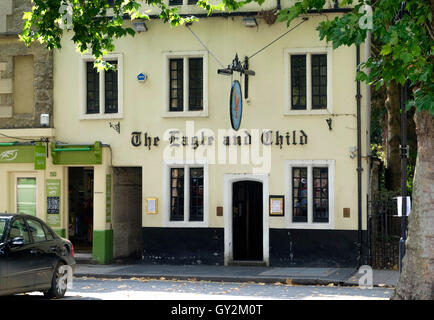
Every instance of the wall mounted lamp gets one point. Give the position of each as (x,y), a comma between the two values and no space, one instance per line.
(140,26)
(250,22)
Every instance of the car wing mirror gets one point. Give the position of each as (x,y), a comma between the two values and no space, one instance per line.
(17,241)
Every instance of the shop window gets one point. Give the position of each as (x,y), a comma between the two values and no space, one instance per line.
(310,192)
(187,191)
(186,84)
(102,91)
(26,196)
(308,81)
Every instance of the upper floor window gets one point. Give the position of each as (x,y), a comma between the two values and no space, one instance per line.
(101,91)
(182,2)
(308,81)
(186,90)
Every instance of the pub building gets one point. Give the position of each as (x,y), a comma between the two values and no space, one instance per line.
(211,152)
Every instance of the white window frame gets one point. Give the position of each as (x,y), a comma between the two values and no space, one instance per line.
(166,195)
(309,164)
(287,80)
(83,89)
(166,87)
(17,176)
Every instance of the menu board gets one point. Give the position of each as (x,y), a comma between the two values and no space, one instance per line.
(53,202)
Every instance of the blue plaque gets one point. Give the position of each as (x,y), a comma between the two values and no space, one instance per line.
(141,77)
(236,105)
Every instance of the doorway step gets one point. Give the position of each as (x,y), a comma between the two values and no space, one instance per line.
(244,263)
(84,258)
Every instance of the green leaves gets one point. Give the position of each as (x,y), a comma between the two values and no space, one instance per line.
(93,24)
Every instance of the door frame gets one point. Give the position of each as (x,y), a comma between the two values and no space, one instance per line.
(229,179)
(66,190)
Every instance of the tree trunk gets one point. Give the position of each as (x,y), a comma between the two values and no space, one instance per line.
(393,160)
(417,276)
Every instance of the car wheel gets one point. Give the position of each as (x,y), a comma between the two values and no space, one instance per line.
(58,283)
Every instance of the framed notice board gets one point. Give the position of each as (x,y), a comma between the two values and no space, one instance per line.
(277,206)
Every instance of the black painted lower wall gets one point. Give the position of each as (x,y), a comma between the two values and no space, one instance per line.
(314,248)
(183,246)
(288,247)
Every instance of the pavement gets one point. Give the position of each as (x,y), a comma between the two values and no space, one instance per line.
(256,274)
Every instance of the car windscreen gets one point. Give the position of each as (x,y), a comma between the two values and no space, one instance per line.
(3,224)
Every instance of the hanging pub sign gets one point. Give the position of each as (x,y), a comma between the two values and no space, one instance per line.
(236,105)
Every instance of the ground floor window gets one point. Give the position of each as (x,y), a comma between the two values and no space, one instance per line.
(310,192)
(186,181)
(186,191)
(26,195)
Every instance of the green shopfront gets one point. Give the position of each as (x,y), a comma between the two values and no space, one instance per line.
(68,186)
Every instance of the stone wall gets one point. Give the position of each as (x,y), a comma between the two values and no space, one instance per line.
(11,24)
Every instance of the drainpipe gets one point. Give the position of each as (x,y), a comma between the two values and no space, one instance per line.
(367,55)
(359,160)
(278,6)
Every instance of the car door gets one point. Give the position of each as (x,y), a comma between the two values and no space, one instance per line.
(3,267)
(4,222)
(44,253)
(19,269)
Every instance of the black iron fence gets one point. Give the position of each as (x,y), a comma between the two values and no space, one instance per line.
(384,231)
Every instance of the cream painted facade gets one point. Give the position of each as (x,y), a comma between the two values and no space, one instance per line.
(143,108)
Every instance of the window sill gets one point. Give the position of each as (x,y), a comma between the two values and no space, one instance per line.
(101,116)
(186,224)
(186,114)
(306,225)
(307,112)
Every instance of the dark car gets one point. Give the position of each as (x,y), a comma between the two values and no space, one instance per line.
(33,257)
